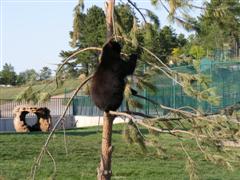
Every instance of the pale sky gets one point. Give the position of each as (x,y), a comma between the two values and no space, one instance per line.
(33,32)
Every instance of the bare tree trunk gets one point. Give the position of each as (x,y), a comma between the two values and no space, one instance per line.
(109,17)
(104,169)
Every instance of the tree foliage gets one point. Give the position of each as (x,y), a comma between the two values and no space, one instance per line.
(91,28)
(8,75)
(45,73)
(28,76)
(220,24)
(217,28)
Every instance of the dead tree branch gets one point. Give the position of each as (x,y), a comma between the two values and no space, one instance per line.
(44,148)
(73,55)
(140,122)
(139,11)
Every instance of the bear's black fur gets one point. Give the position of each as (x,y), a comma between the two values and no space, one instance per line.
(108,82)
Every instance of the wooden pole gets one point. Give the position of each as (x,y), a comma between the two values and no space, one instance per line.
(104,170)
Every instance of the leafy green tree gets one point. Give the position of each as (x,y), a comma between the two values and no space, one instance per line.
(31,75)
(124,18)
(219,26)
(45,73)
(161,41)
(168,41)
(93,34)
(95,27)
(27,77)
(21,78)
(197,52)
(182,41)
(8,75)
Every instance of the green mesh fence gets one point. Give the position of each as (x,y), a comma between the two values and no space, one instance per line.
(225,77)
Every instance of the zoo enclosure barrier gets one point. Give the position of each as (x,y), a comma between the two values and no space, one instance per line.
(225,78)
(55,105)
(224,75)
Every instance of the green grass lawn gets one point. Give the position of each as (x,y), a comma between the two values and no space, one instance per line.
(12,92)
(17,153)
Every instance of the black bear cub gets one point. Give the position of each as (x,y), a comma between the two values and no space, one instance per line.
(108,82)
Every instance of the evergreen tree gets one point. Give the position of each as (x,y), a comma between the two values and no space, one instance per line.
(93,34)
(45,73)
(8,75)
(27,77)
